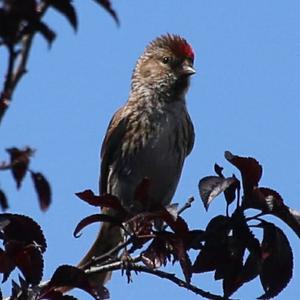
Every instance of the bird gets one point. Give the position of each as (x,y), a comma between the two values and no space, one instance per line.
(148,137)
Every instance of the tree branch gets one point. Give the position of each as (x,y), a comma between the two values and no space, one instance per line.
(118,248)
(107,255)
(15,70)
(186,205)
(119,265)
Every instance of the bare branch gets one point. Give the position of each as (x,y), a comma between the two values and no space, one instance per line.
(107,255)
(186,205)
(17,67)
(161,274)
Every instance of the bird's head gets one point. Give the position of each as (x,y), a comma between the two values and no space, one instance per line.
(165,66)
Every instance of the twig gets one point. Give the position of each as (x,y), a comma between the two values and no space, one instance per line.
(107,255)
(186,205)
(16,71)
(169,276)
(4,166)
(10,66)
(255,217)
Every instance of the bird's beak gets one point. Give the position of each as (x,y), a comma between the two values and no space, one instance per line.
(188,70)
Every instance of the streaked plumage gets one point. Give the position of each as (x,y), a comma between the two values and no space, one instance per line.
(151,135)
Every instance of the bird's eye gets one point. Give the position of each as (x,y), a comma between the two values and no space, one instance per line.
(166,59)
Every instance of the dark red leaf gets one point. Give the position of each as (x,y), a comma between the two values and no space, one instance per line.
(234,273)
(95,219)
(12,14)
(23,229)
(34,24)
(45,31)
(3,201)
(232,268)
(223,251)
(208,259)
(43,189)
(26,9)
(23,283)
(194,239)
(218,226)
(28,258)
(157,254)
(6,265)
(19,160)
(69,276)
(89,197)
(230,192)
(140,225)
(250,169)
(167,215)
(177,224)
(66,297)
(30,261)
(180,227)
(264,199)
(24,19)
(67,9)
(55,295)
(242,233)
(270,202)
(291,217)
(105,200)
(183,257)
(106,4)
(214,252)
(161,249)
(4,221)
(277,266)
(219,170)
(211,186)
(17,292)
(252,267)
(6,35)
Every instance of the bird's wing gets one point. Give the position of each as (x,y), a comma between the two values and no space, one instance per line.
(111,146)
(191,134)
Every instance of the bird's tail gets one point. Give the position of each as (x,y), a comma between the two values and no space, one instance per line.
(109,237)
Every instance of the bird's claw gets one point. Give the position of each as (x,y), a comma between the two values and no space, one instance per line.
(127,263)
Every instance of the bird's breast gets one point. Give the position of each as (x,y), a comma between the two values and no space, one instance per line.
(150,150)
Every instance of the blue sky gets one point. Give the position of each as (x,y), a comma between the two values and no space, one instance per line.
(244,98)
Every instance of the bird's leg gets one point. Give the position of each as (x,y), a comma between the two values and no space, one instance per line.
(127,262)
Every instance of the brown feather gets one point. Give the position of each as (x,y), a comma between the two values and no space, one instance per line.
(111,146)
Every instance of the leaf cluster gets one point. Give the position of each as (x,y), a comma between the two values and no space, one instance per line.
(228,246)
(159,236)
(20,21)
(232,250)
(19,166)
(20,18)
